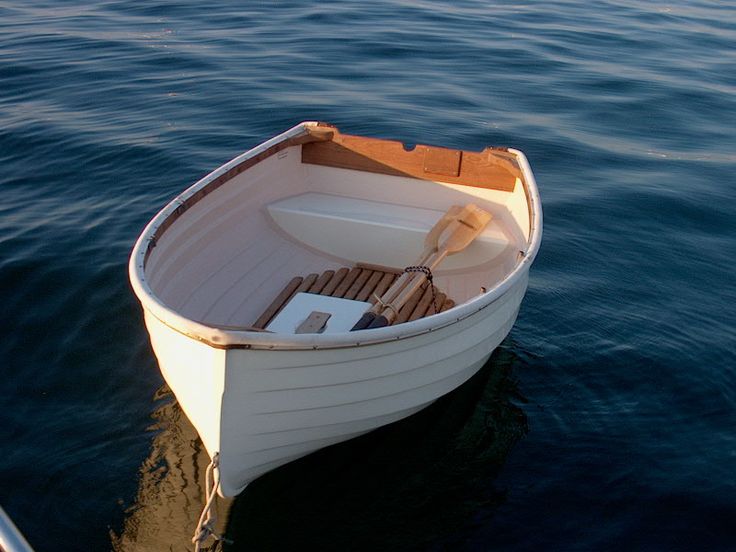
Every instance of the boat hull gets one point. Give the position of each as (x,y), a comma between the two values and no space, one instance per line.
(213,259)
(262,408)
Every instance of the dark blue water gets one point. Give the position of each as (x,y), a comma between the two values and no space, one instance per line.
(606,421)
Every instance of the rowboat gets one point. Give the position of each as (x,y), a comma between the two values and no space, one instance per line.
(322,285)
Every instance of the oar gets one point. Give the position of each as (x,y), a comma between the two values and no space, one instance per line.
(430,247)
(460,233)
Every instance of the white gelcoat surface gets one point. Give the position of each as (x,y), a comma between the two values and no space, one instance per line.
(376,232)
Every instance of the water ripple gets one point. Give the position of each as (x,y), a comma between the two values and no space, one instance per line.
(624,346)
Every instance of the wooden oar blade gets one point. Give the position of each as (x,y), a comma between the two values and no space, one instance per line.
(432,238)
(468,227)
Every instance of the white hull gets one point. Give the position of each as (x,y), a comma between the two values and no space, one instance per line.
(263,408)
(261,400)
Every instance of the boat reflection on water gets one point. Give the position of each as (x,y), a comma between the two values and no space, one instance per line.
(171,485)
(404,486)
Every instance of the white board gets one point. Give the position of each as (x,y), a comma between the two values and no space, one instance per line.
(344,313)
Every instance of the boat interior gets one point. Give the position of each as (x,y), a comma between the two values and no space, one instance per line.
(337,216)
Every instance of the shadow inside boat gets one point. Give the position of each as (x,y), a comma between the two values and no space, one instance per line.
(406,486)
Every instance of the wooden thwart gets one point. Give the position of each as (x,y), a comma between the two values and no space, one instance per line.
(492,168)
(362,283)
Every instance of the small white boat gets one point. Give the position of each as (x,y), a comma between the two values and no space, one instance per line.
(252,279)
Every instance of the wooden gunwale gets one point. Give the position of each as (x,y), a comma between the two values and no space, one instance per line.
(232,172)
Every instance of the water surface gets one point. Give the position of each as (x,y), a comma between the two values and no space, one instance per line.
(605,422)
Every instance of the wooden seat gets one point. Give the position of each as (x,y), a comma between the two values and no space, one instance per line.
(361,283)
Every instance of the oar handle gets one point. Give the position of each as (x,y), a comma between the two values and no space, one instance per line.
(379,321)
(365,321)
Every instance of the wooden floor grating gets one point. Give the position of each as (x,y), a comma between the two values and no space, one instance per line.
(361,283)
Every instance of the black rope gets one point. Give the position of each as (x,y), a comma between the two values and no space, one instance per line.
(428,273)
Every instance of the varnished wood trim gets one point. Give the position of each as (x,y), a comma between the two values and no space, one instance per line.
(380,268)
(491,168)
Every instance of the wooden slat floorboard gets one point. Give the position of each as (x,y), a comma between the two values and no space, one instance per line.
(422,306)
(369,286)
(410,305)
(335,281)
(358,284)
(279,302)
(386,282)
(322,281)
(361,284)
(347,282)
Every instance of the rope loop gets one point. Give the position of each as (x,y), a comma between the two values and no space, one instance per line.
(428,273)
(425,269)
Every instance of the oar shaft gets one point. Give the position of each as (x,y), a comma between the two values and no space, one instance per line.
(459,234)
(431,241)
(391,293)
(389,314)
